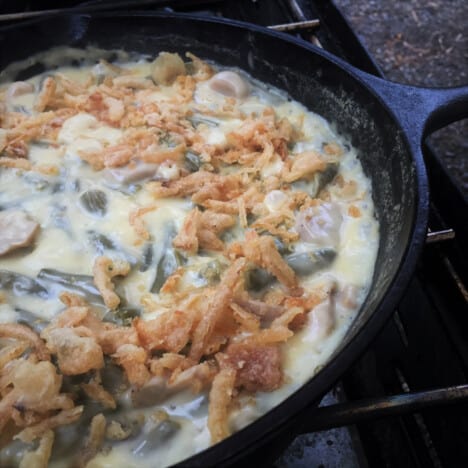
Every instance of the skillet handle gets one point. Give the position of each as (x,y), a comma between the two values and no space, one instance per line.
(421,111)
(448,105)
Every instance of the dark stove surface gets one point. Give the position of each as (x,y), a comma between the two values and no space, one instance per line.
(425,344)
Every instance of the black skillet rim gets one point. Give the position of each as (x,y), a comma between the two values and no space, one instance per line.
(267,427)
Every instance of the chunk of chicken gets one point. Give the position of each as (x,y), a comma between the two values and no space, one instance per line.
(167,67)
(17,230)
(322,320)
(230,84)
(320,225)
(18,88)
(130,174)
(348,296)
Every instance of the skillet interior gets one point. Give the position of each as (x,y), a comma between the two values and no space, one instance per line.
(311,77)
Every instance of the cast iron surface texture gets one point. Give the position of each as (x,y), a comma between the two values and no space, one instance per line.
(327,86)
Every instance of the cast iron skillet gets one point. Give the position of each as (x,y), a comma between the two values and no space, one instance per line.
(386,122)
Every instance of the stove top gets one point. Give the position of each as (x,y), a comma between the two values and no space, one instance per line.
(425,344)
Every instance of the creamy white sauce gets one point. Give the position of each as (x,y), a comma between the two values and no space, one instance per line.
(64,244)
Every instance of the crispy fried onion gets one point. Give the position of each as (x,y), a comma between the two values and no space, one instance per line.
(104,270)
(82,321)
(227,323)
(94,440)
(201,230)
(136,220)
(63,418)
(32,400)
(76,352)
(303,166)
(39,458)
(46,94)
(15,163)
(26,334)
(97,392)
(221,394)
(169,331)
(261,140)
(133,359)
(216,308)
(10,352)
(262,251)
(225,340)
(193,183)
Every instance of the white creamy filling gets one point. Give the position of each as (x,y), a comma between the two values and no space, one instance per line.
(63,244)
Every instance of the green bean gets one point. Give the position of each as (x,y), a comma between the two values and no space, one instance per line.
(75,185)
(130,426)
(190,68)
(325,177)
(94,202)
(152,393)
(147,258)
(21,285)
(168,264)
(80,284)
(318,182)
(31,320)
(169,261)
(306,263)
(193,162)
(282,247)
(39,182)
(156,437)
(45,144)
(123,316)
(196,120)
(258,278)
(113,378)
(211,272)
(72,383)
(68,437)
(21,109)
(166,139)
(60,219)
(12,454)
(101,243)
(58,187)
